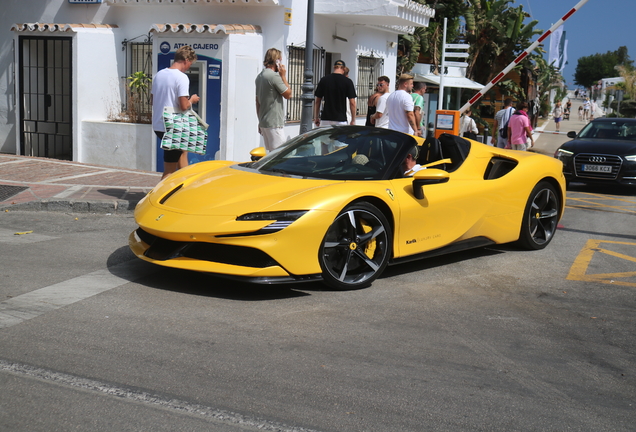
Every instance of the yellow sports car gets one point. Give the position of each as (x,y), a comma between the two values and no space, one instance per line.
(340,204)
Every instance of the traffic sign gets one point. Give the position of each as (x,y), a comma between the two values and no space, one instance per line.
(457,46)
(455,64)
(455,54)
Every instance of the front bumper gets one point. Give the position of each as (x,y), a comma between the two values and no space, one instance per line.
(230,261)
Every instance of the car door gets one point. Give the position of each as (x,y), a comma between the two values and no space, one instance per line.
(447,213)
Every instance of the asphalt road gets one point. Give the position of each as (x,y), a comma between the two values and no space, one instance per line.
(491,339)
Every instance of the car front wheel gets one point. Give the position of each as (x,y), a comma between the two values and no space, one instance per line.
(540,217)
(356,248)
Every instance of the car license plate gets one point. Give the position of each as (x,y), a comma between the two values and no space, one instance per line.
(597,168)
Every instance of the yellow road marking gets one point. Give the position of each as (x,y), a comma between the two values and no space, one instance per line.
(582,262)
(591,201)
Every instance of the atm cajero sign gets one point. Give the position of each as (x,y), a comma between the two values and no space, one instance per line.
(166,47)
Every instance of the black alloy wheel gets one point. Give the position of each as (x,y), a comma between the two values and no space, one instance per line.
(356,248)
(540,217)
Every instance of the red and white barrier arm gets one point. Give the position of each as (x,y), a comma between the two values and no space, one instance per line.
(523,55)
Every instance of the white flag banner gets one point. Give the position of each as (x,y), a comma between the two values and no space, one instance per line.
(555,43)
(564,57)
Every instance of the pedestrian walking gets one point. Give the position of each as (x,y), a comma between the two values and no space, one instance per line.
(586,109)
(419,88)
(400,107)
(171,88)
(500,137)
(334,90)
(271,88)
(381,117)
(557,115)
(467,126)
(519,129)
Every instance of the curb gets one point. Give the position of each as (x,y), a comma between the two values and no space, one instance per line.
(72,206)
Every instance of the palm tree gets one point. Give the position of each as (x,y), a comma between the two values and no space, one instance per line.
(548,78)
(628,73)
(497,35)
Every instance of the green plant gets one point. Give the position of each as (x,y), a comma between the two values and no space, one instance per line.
(138,109)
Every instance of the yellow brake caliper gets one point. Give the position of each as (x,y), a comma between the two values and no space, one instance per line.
(369,249)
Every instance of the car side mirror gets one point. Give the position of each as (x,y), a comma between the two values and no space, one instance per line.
(428,177)
(571,134)
(258,153)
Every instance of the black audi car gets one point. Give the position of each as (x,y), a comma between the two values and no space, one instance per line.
(604,151)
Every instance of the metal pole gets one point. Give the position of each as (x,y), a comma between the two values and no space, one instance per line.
(441,72)
(306,115)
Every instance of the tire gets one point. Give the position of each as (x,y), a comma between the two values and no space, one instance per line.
(356,248)
(540,217)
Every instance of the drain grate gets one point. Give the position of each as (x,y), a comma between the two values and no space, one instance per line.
(7,191)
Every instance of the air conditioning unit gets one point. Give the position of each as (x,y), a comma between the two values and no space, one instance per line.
(84,1)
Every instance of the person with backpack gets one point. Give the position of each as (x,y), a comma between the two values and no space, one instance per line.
(500,137)
(519,129)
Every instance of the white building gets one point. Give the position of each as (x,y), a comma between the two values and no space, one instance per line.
(63,65)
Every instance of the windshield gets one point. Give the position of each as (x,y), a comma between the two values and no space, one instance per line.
(342,153)
(619,129)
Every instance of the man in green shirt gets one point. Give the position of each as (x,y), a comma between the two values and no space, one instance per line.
(419,88)
(271,88)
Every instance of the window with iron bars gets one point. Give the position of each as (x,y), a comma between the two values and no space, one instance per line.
(369,69)
(296,77)
(139,59)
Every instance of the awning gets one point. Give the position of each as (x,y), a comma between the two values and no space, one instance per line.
(458,82)
(401,16)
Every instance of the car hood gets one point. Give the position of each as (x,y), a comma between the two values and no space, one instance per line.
(613,147)
(232,191)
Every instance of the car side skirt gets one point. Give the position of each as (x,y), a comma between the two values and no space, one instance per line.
(459,246)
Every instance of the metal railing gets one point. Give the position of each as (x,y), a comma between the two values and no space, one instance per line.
(296,77)
(369,69)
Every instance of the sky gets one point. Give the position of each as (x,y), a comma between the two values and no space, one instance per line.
(597,27)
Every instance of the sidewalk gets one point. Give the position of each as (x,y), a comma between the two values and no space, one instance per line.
(31,183)
(546,141)
(40,184)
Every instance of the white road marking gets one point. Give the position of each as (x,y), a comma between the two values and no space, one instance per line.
(9,236)
(68,192)
(137,396)
(35,303)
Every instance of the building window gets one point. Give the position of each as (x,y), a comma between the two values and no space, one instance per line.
(296,77)
(139,59)
(369,69)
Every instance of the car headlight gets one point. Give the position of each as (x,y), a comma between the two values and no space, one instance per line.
(563,155)
(282,219)
(631,158)
(275,216)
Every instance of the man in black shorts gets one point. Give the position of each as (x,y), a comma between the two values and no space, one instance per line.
(171,87)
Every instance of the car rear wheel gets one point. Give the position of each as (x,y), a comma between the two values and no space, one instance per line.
(356,248)
(540,217)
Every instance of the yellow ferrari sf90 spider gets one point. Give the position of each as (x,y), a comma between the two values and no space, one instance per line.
(340,204)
